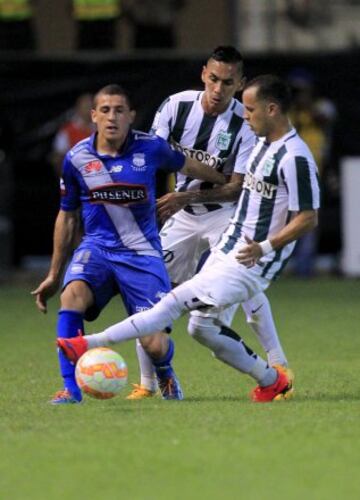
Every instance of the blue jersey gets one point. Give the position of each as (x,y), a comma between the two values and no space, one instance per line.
(117,195)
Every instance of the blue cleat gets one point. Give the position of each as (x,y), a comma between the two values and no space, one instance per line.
(64,397)
(170,387)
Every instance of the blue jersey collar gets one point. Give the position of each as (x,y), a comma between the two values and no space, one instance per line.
(124,149)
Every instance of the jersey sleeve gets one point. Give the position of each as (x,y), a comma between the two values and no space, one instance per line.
(170,160)
(243,148)
(302,182)
(69,187)
(162,123)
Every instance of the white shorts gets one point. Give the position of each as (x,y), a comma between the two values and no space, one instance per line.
(223,282)
(184,238)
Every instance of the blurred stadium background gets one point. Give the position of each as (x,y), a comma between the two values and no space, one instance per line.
(38,88)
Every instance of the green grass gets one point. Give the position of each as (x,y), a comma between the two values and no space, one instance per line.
(216,444)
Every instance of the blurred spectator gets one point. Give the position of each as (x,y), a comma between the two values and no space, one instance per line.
(96,22)
(74,130)
(313,117)
(16,25)
(154,22)
(307,14)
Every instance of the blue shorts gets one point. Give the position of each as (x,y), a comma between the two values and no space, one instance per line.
(141,280)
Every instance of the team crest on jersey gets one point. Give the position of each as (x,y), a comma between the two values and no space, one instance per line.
(223,140)
(138,161)
(268,166)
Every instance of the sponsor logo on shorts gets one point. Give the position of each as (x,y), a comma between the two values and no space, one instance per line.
(253,183)
(142,308)
(168,256)
(119,194)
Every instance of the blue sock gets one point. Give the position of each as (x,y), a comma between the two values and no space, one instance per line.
(163,366)
(69,322)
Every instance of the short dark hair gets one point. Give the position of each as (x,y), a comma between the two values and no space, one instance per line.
(272,88)
(227,54)
(113,89)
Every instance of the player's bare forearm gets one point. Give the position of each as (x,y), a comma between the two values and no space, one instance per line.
(197,170)
(64,231)
(64,234)
(171,203)
(227,192)
(301,223)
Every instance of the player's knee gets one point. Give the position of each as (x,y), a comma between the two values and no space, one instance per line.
(202,329)
(254,307)
(76,296)
(155,345)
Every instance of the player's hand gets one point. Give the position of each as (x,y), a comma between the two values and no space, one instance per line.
(249,254)
(45,291)
(169,204)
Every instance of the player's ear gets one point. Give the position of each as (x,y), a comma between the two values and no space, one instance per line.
(132,116)
(93,115)
(241,84)
(203,74)
(273,108)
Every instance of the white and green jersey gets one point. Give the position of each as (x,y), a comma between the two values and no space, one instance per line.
(222,142)
(281,178)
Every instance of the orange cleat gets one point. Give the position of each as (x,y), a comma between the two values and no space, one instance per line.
(140,392)
(290,392)
(270,392)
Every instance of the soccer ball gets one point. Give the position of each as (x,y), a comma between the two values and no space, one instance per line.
(101,373)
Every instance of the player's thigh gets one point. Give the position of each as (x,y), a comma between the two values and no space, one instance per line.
(142,281)
(223,282)
(182,247)
(77,296)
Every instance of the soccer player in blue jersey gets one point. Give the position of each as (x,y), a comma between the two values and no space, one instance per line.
(278,204)
(109,180)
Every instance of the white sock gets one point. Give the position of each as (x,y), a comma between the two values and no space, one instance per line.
(147,372)
(143,323)
(259,316)
(228,347)
(263,373)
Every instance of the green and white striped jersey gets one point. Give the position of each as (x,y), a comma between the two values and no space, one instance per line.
(281,178)
(222,142)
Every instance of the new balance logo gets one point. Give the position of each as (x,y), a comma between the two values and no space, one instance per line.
(115,169)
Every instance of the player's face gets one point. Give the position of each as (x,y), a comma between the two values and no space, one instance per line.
(257,112)
(113,118)
(222,81)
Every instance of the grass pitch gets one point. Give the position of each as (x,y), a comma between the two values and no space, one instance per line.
(216,444)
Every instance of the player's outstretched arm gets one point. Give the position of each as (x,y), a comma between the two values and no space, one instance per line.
(64,231)
(170,203)
(197,170)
